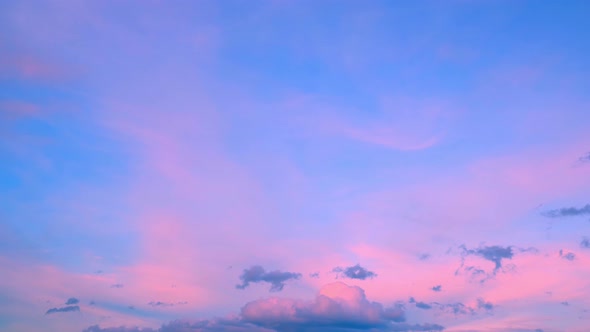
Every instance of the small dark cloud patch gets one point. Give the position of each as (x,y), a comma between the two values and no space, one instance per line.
(565,303)
(70,308)
(91,303)
(424,257)
(494,254)
(160,304)
(354,272)
(437,288)
(276,279)
(131,307)
(117,286)
(98,271)
(72,300)
(570,256)
(585,158)
(585,243)
(314,275)
(456,308)
(568,212)
(482,304)
(423,305)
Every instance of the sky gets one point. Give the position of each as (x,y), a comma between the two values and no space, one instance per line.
(260,166)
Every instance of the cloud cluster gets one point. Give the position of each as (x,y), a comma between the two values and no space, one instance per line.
(256,274)
(456,308)
(337,308)
(354,272)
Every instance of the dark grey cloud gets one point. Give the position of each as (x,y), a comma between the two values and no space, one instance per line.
(354,272)
(117,286)
(585,243)
(495,254)
(570,256)
(437,288)
(568,212)
(277,279)
(70,308)
(72,300)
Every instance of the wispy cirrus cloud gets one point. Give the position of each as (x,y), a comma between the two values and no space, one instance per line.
(257,274)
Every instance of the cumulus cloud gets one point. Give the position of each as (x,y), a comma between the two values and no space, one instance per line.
(437,288)
(314,275)
(568,212)
(337,308)
(585,243)
(354,272)
(256,274)
(70,308)
(72,300)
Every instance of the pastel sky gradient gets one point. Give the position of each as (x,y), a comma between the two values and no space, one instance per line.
(249,165)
